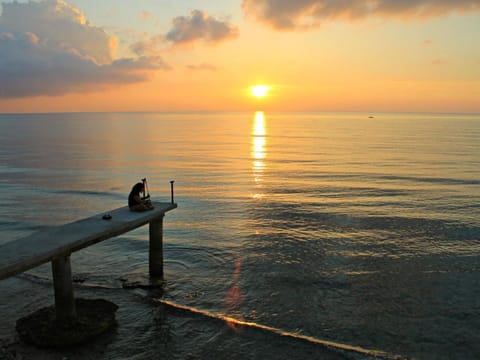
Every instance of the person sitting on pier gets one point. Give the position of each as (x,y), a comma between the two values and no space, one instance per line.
(136,202)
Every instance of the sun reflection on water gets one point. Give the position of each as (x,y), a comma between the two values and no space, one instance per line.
(258,151)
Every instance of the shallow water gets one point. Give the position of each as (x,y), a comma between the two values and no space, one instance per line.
(362,231)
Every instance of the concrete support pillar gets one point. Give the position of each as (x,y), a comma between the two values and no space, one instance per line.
(156,248)
(62,283)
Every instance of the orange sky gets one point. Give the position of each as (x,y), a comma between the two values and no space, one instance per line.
(205,57)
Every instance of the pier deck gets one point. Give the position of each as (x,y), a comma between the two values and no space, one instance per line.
(56,244)
(26,253)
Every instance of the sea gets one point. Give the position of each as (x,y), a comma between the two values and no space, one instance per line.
(297,235)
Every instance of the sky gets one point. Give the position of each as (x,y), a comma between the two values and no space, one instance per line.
(205,55)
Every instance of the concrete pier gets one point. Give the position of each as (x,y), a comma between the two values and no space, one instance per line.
(62,282)
(155,260)
(58,243)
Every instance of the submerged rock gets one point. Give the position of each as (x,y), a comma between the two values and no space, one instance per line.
(41,328)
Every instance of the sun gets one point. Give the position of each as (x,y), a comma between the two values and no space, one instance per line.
(260,91)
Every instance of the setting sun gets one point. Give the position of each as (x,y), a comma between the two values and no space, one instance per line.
(260,91)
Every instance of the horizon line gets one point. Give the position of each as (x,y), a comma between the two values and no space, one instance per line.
(243,111)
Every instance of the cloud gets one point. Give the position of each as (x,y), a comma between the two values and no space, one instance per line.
(49,48)
(62,24)
(145,15)
(287,15)
(200,26)
(29,67)
(153,46)
(202,67)
(439,62)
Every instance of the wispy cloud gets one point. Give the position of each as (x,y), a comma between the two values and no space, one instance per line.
(287,15)
(49,48)
(145,15)
(438,62)
(200,26)
(150,47)
(202,67)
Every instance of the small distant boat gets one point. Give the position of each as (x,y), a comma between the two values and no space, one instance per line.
(371,117)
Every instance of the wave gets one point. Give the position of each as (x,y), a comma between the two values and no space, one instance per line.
(36,279)
(331,345)
(433,180)
(80,280)
(90,193)
(334,176)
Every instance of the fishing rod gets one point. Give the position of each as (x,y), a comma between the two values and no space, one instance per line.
(146,193)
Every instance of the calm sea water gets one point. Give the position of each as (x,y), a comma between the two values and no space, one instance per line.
(342,227)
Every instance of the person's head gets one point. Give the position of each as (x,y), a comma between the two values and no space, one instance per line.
(138,188)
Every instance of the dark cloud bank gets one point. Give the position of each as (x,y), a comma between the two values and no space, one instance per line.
(287,14)
(48,48)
